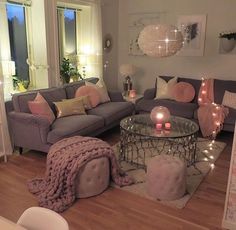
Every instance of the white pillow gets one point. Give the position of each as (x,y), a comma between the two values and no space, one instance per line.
(229,99)
(102,91)
(164,89)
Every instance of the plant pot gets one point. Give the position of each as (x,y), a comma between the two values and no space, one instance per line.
(66,78)
(228,44)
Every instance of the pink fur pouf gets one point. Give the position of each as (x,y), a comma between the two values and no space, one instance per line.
(166,177)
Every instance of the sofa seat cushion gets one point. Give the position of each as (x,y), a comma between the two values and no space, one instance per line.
(74,125)
(113,111)
(176,108)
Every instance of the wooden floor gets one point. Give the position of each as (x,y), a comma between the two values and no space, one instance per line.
(116,209)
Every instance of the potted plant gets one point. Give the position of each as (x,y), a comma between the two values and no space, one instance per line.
(228,40)
(65,70)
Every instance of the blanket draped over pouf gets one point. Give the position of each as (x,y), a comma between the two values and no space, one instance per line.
(57,190)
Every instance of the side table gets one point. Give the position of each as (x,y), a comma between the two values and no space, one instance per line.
(133,99)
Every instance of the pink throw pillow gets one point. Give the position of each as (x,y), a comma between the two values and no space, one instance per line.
(39,106)
(183,92)
(91,92)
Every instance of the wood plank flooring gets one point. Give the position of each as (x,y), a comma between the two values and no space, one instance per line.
(116,209)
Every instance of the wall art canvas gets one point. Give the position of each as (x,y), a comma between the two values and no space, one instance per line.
(137,21)
(229,218)
(193,28)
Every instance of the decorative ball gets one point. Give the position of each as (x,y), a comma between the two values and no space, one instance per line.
(160,114)
(160,40)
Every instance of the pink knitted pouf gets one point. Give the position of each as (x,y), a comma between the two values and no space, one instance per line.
(93,178)
(166,177)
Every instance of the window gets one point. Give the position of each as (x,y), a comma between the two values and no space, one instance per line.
(79,38)
(18,40)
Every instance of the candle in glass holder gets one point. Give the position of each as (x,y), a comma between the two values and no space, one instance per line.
(158,126)
(132,93)
(167,125)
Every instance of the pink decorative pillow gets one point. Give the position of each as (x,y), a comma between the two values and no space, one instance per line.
(183,92)
(91,92)
(39,106)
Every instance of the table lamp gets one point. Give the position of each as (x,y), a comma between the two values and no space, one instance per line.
(127,70)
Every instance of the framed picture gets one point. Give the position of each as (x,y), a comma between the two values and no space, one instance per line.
(193,28)
(137,21)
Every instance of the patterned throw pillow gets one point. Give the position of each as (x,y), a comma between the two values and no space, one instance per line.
(164,89)
(40,107)
(229,99)
(104,97)
(69,107)
(91,92)
(183,92)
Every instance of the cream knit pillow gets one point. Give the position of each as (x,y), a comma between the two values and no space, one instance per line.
(229,99)
(164,89)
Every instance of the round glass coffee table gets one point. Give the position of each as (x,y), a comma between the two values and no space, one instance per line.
(140,140)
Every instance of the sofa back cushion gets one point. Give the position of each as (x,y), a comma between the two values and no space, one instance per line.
(72,87)
(20,100)
(220,86)
(194,82)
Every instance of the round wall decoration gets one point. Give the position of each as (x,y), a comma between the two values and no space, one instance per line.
(107,43)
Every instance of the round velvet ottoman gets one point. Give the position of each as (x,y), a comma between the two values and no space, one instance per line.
(166,177)
(93,178)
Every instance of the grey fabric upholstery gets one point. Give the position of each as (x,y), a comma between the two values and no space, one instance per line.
(29,130)
(20,100)
(220,86)
(176,108)
(112,111)
(74,125)
(115,96)
(72,87)
(189,110)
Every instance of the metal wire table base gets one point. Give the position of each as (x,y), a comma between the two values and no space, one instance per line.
(134,148)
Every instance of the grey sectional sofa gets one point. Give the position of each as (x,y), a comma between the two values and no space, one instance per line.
(189,110)
(34,132)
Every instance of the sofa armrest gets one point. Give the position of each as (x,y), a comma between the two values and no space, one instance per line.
(27,128)
(115,96)
(149,94)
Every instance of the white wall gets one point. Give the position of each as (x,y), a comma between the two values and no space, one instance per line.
(110,26)
(220,17)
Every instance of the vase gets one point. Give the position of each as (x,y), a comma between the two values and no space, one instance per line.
(228,44)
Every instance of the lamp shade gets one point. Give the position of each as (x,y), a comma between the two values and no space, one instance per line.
(160,40)
(127,70)
(160,114)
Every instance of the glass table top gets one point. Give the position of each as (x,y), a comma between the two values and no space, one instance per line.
(142,124)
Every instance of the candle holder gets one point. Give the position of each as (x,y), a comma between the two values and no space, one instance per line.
(160,115)
(132,93)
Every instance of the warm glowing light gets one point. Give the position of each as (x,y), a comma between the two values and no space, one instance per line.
(203,84)
(205,159)
(213,141)
(203,91)
(217,107)
(206,151)
(211,148)
(218,123)
(210,144)
(159,116)
(213,114)
(211,157)
(212,166)
(200,99)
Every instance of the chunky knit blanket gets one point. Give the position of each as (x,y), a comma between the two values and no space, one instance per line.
(211,116)
(57,190)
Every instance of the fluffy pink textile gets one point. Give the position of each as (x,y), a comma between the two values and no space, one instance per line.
(57,190)
(210,115)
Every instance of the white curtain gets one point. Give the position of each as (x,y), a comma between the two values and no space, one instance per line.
(90,38)
(5,143)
